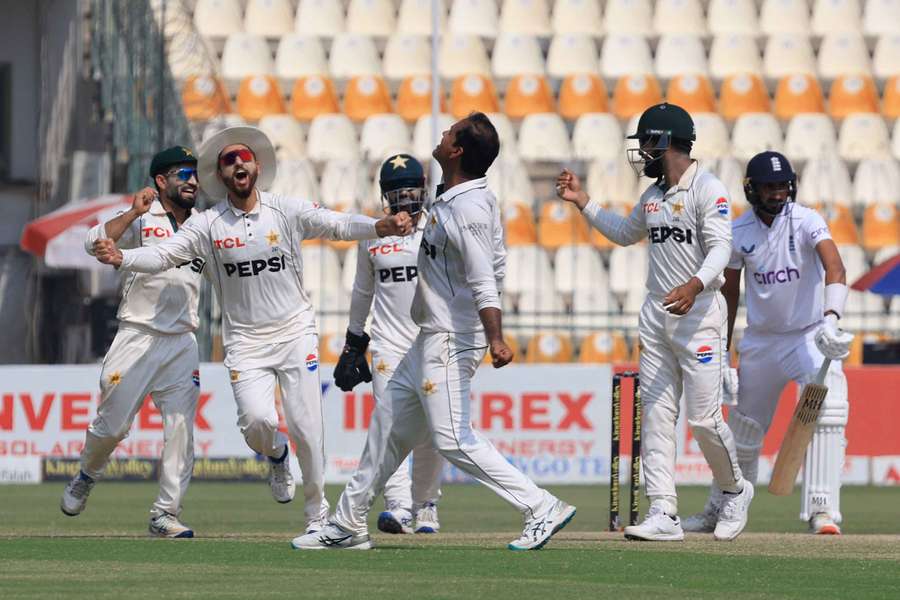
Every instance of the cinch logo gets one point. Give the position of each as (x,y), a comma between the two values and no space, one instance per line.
(252,268)
(779,276)
(312,362)
(397,274)
(159,232)
(232,242)
(704,354)
(659,235)
(722,205)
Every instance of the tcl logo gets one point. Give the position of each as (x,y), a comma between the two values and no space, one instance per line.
(157,232)
(651,207)
(232,242)
(387,249)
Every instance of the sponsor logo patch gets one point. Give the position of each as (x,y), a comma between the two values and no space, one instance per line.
(722,205)
(312,362)
(704,354)
(195,377)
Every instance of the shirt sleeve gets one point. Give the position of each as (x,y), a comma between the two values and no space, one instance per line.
(318,222)
(471,230)
(623,231)
(130,238)
(714,225)
(188,243)
(363,290)
(815,229)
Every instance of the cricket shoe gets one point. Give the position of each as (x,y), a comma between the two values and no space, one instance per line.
(395,520)
(332,537)
(733,516)
(280,479)
(538,530)
(318,523)
(168,526)
(427,519)
(656,527)
(822,524)
(705,520)
(76,494)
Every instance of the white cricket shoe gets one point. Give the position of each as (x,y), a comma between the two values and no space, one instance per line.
(168,526)
(395,519)
(427,519)
(705,520)
(822,524)
(540,529)
(281,481)
(332,537)
(733,516)
(656,527)
(75,495)
(318,523)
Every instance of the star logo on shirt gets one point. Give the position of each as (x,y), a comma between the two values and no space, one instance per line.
(677,208)
(234,375)
(433,219)
(273,238)
(382,367)
(399,162)
(429,387)
(114,378)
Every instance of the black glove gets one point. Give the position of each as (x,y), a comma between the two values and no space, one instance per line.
(352,367)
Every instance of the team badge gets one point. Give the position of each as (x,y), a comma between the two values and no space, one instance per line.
(381,367)
(234,376)
(195,377)
(429,387)
(677,208)
(704,354)
(273,238)
(722,205)
(114,378)
(312,362)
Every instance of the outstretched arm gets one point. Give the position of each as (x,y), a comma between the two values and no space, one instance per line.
(623,231)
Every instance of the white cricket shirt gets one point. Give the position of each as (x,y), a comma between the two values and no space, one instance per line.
(783,275)
(163,302)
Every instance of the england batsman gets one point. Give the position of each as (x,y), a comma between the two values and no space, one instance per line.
(154,351)
(251,239)
(461,265)
(682,321)
(386,274)
(795,291)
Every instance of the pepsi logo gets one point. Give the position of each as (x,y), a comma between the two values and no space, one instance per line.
(195,377)
(722,205)
(704,354)
(312,362)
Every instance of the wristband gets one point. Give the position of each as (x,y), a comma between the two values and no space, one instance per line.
(835,298)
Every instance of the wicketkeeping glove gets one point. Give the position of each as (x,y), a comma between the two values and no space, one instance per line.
(352,367)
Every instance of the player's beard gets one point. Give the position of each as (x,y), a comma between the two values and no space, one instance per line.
(175,197)
(239,188)
(653,168)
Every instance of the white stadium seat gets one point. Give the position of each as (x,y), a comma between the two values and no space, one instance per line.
(784,16)
(527,269)
(843,54)
(863,135)
(286,134)
(592,308)
(886,59)
(529,17)
(474,17)
(732,17)
(579,266)
(509,147)
(218,18)
(539,311)
(576,17)
(612,181)
(371,17)
(517,54)
(406,55)
(835,16)
(324,18)
(270,18)
(296,179)
(597,136)
(383,135)
(509,180)
(683,16)
(331,137)
(788,54)
(881,17)
(245,55)
(876,180)
(628,268)
(624,17)
(352,55)
(731,173)
(754,133)
(299,55)
(414,17)
(625,55)
(680,55)
(189,53)
(345,185)
(809,135)
(825,180)
(321,267)
(572,54)
(712,136)
(895,140)
(543,137)
(422,142)
(214,126)
(463,54)
(733,54)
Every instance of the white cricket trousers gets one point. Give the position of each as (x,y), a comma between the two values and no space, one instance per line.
(294,367)
(166,367)
(684,354)
(429,399)
(769,361)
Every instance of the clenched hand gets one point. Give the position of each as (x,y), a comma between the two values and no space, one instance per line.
(399,224)
(106,252)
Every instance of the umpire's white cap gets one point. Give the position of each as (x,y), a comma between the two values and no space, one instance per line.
(251,137)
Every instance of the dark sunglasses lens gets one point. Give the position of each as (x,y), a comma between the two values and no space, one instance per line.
(230,158)
(185,174)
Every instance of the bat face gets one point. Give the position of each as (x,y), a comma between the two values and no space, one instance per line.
(811,403)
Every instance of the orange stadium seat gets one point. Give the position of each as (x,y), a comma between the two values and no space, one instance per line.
(633,94)
(891,104)
(513,342)
(549,348)
(881,227)
(519,225)
(365,96)
(604,347)
(798,94)
(527,95)
(473,93)
(414,98)
(741,94)
(840,222)
(204,98)
(694,93)
(852,94)
(581,94)
(313,96)
(561,224)
(330,348)
(600,241)
(259,96)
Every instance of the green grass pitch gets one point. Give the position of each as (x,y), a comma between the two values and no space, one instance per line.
(242,551)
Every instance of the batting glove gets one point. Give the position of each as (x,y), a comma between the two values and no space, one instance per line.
(833,342)
(730,387)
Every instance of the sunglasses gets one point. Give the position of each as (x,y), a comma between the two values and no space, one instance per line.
(228,159)
(183,174)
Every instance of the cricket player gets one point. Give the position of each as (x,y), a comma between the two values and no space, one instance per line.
(461,265)
(251,240)
(386,272)
(788,257)
(154,351)
(685,215)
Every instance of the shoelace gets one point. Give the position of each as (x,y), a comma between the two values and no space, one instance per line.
(427,513)
(80,488)
(730,507)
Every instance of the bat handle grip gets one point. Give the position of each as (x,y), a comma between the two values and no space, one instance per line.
(823,370)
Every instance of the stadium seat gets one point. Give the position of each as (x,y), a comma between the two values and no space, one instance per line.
(625,55)
(407,55)
(414,17)
(527,269)
(299,55)
(694,93)
(863,135)
(549,348)
(877,180)
(597,136)
(217,19)
(741,94)
(371,17)
(473,93)
(890,106)
(582,94)
(296,178)
(189,54)
(754,133)
(463,54)
(217,124)
(600,241)
(527,95)
(611,180)
(245,55)
(734,54)
(788,54)
(383,136)
(330,348)
(825,181)
(732,17)
(528,17)
(852,94)
(572,54)
(516,54)
(331,136)
(330,306)
(345,185)
(843,54)
(422,142)
(576,17)
(519,226)
(269,18)
(633,94)
(321,268)
(712,136)
(540,310)
(784,17)
(508,179)
(895,144)
(840,222)
(560,224)
(678,54)
(809,135)
(414,98)
(593,308)
(730,172)
(886,60)
(543,137)
(172,19)
(628,269)
(881,17)
(258,96)
(683,16)
(474,17)
(880,227)
(324,18)
(604,347)
(286,134)
(313,96)
(366,96)
(578,265)
(629,17)
(509,147)
(353,55)
(203,98)
(797,94)
(835,16)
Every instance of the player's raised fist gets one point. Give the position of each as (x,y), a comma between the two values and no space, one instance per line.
(106,252)
(568,187)
(501,354)
(143,199)
(399,224)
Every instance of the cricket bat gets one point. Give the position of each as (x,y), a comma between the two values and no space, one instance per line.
(798,435)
